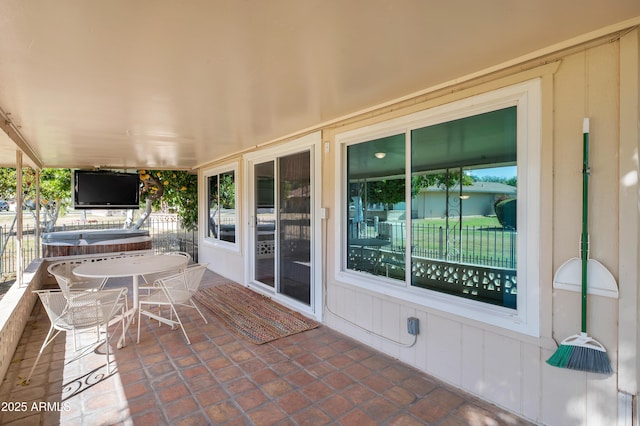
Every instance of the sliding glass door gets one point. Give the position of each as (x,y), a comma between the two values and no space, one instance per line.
(282,197)
(265,223)
(294,226)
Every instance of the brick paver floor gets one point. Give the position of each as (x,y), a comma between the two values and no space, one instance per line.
(317,377)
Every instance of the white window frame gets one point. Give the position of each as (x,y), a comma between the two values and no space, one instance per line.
(526,318)
(217,171)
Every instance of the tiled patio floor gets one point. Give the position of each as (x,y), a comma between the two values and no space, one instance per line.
(313,378)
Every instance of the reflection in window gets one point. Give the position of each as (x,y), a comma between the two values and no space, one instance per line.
(222,213)
(461,206)
(376,200)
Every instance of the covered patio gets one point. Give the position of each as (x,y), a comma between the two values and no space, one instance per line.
(289,112)
(316,377)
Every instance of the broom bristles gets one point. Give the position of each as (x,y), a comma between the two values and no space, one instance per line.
(581,353)
(560,357)
(587,359)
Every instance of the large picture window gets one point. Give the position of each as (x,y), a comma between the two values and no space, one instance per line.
(432,203)
(464,205)
(221,206)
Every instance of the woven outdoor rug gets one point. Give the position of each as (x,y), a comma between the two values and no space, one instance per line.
(252,315)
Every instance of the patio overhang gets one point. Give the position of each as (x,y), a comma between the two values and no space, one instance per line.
(175,86)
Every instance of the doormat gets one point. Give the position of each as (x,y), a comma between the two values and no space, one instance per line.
(251,315)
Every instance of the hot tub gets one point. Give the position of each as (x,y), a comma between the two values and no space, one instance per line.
(90,241)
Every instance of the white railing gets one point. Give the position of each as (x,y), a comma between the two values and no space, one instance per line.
(164,229)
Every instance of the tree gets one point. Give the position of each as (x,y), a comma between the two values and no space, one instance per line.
(55,191)
(164,190)
(7,183)
(167,190)
(445,179)
(512,181)
(391,191)
(386,191)
(227,191)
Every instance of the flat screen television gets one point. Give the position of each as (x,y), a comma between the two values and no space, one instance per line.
(105,190)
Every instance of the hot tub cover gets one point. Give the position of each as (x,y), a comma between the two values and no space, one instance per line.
(91,236)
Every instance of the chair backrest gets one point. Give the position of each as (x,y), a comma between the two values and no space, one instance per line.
(193,276)
(78,310)
(63,268)
(181,286)
(63,282)
(98,307)
(180,253)
(63,273)
(54,303)
(151,278)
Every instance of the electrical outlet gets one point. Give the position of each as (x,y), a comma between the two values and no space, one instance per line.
(413,326)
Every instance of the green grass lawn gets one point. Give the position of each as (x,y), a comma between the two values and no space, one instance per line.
(477,221)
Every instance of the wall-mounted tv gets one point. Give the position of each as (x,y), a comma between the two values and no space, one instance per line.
(103,189)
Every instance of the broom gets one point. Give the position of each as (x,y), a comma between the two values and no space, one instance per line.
(580,351)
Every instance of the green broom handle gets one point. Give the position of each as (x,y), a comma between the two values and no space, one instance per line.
(584,243)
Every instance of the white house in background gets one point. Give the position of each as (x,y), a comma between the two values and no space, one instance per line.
(477,199)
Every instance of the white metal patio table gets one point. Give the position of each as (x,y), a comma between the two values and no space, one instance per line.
(133,267)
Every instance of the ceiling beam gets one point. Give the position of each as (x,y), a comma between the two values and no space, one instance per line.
(13,132)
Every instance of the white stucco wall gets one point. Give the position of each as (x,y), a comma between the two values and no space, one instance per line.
(500,365)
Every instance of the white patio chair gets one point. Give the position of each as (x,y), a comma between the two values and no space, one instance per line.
(67,281)
(151,278)
(72,311)
(172,291)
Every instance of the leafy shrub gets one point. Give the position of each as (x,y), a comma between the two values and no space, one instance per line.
(506,212)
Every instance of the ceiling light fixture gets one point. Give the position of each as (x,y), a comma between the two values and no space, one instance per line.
(380,155)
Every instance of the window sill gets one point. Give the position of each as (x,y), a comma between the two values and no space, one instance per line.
(224,245)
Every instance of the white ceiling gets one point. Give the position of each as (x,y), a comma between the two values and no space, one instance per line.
(174,84)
